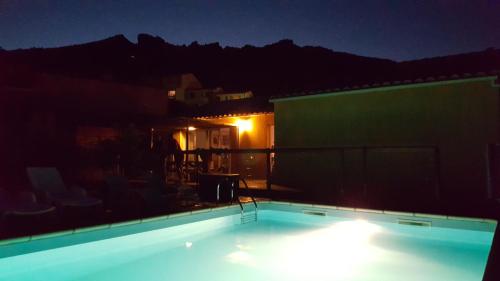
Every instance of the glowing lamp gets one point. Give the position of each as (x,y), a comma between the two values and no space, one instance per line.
(190,128)
(244,125)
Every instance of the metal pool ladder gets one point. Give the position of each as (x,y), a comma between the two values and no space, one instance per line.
(248,215)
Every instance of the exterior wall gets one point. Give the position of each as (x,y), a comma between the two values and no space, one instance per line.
(460,117)
(235,96)
(204,96)
(256,134)
(180,137)
(181,84)
(197,96)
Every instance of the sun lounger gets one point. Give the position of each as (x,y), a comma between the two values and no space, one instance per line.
(22,204)
(20,211)
(48,181)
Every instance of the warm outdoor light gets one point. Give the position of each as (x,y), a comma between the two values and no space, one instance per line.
(190,128)
(244,125)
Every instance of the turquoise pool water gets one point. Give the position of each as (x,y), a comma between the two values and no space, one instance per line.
(279,246)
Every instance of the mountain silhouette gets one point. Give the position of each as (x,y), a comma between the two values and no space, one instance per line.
(278,68)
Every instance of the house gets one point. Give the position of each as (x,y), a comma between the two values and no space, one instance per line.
(420,140)
(211,118)
(236,124)
(187,89)
(180,87)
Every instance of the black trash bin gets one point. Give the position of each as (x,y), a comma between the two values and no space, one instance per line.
(218,187)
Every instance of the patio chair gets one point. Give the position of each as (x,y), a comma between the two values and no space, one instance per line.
(22,204)
(48,182)
(21,210)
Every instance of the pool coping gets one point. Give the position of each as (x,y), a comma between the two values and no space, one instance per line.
(27,243)
(387,212)
(7,246)
(435,220)
(111,225)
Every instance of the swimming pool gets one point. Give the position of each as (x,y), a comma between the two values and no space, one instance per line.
(286,242)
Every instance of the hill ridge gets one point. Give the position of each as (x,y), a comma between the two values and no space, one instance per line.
(277,68)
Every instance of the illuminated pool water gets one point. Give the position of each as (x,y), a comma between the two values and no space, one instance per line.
(282,245)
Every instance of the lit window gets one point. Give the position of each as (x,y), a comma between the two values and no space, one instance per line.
(171,94)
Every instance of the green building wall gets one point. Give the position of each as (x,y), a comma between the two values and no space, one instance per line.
(460,117)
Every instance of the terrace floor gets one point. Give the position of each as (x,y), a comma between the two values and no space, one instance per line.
(261,184)
(186,200)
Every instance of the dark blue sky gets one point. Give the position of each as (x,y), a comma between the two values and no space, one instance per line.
(395,29)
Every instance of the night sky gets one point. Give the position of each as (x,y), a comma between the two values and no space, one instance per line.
(395,29)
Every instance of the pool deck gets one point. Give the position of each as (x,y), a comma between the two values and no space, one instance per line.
(181,204)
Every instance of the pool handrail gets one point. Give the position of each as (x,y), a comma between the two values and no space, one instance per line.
(251,196)
(241,205)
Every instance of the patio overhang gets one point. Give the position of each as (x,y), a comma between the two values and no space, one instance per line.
(182,123)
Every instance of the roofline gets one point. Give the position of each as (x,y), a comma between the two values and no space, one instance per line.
(216,116)
(491,78)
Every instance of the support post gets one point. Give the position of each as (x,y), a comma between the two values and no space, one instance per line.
(490,165)
(365,171)
(186,155)
(437,188)
(268,170)
(342,171)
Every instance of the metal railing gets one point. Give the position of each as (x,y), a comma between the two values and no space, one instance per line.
(271,161)
(251,197)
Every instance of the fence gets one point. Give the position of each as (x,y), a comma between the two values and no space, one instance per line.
(328,173)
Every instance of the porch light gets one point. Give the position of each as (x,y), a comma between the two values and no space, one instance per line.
(244,125)
(190,128)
